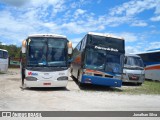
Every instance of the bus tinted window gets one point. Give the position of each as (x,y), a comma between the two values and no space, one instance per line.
(107,42)
(1,54)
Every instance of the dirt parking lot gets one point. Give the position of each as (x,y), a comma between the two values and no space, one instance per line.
(90,98)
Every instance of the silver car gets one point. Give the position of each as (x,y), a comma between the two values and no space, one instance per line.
(133,69)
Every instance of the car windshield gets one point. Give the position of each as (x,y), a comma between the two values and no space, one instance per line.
(133,61)
(103,61)
(47,52)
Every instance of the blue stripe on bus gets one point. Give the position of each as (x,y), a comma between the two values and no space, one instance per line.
(151,63)
(112,82)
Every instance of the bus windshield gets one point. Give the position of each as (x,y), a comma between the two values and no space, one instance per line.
(51,52)
(134,61)
(107,42)
(103,61)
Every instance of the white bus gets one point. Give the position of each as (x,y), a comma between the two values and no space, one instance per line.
(3,60)
(44,60)
(151,61)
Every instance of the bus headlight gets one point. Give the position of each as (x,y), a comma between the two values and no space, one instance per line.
(31,78)
(63,78)
(118,77)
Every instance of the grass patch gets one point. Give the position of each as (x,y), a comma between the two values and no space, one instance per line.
(148,87)
(2,73)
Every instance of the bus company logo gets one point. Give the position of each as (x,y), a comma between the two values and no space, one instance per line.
(108,49)
(32,73)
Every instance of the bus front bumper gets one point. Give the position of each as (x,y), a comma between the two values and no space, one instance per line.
(44,83)
(112,82)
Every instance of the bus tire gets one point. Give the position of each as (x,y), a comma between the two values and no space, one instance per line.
(81,85)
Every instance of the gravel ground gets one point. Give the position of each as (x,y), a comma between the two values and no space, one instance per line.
(90,98)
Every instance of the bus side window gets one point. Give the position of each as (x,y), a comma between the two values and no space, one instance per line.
(5,55)
(79,46)
(83,43)
(125,60)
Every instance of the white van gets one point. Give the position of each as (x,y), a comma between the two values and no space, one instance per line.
(133,69)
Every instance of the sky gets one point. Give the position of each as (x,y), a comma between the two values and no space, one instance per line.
(137,21)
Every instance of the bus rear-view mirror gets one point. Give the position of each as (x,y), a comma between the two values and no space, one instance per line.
(70,48)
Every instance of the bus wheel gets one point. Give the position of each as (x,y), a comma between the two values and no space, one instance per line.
(81,85)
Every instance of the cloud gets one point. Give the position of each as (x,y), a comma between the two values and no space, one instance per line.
(129,37)
(155,19)
(139,24)
(131,49)
(153,45)
(130,11)
(79,12)
(134,7)
(61,17)
(80,3)
(18,23)
(75,41)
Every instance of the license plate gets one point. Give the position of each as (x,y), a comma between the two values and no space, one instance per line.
(46,83)
(133,77)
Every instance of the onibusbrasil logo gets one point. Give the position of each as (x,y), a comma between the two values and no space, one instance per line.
(21,114)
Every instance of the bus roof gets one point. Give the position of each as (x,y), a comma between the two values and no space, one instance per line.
(105,35)
(132,55)
(3,50)
(154,51)
(47,35)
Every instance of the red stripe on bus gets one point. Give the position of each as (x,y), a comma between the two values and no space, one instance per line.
(94,71)
(153,67)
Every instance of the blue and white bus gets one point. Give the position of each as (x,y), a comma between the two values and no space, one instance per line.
(98,59)
(3,60)
(151,60)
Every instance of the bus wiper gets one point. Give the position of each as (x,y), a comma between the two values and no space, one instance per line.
(127,66)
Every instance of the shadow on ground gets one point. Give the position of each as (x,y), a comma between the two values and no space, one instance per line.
(46,89)
(130,84)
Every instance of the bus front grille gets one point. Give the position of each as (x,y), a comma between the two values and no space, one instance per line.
(98,75)
(108,76)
